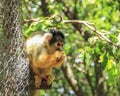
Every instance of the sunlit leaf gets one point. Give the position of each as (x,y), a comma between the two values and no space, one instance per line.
(103,60)
(109,64)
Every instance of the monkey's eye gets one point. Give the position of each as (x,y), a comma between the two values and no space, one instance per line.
(58,44)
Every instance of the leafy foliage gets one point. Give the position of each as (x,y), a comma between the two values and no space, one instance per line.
(86,52)
(42,24)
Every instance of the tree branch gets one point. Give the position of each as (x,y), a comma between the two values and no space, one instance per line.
(75,9)
(44,7)
(71,79)
(99,78)
(86,73)
(70,15)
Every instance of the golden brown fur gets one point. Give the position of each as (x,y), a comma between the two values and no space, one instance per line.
(43,56)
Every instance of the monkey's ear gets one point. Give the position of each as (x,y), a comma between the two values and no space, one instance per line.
(47,37)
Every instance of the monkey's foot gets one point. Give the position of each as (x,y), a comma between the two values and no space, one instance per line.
(50,79)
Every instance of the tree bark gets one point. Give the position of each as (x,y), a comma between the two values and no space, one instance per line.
(15,72)
(99,78)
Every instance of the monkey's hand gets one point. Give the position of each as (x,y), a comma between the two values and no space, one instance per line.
(59,57)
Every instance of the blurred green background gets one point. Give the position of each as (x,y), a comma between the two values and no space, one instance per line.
(93,65)
(92,60)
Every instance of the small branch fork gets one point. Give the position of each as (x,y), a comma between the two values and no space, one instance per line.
(92,27)
(89,25)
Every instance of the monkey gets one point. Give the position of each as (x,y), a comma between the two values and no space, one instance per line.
(44,53)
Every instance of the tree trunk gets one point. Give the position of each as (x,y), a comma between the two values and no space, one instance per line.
(15,70)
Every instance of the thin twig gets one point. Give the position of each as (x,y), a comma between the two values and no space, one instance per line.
(91,26)
(31,20)
(79,69)
(1,16)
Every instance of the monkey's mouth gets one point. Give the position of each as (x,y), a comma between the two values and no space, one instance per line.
(58,49)
(52,51)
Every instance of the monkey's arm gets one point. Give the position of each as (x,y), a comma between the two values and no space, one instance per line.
(44,60)
(48,60)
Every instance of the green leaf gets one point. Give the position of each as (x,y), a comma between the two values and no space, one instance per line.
(110,64)
(113,75)
(97,49)
(103,60)
(42,92)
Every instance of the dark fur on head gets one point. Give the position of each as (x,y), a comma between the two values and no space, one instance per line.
(57,36)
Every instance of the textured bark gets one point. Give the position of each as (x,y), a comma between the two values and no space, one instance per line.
(99,78)
(15,68)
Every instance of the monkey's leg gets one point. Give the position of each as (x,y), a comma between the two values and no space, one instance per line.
(37,76)
(38,80)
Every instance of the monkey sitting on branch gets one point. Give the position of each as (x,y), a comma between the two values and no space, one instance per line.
(44,53)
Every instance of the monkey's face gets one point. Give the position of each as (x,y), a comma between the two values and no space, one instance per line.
(57,46)
(55,41)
